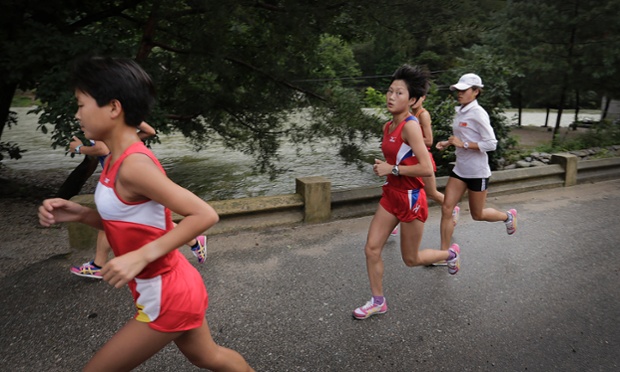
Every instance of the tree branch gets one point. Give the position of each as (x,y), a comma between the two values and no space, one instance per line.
(96,17)
(279,81)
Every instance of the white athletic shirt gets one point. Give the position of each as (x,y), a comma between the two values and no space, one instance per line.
(471,124)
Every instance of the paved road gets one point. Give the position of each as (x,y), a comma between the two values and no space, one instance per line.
(545,299)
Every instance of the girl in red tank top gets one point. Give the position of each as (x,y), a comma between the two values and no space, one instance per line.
(134,203)
(404,200)
(430,184)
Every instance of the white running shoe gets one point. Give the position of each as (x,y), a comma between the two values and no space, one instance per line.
(369,310)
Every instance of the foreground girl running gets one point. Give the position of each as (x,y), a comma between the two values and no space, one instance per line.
(406,161)
(92,269)
(134,202)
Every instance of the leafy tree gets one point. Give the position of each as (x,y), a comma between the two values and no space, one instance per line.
(229,71)
(37,40)
(431,33)
(237,71)
(562,47)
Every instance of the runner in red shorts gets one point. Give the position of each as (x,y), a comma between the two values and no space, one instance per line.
(430,185)
(135,200)
(404,200)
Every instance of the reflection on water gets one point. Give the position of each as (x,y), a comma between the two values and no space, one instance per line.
(216,173)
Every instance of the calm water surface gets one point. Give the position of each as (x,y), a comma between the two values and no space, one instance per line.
(216,173)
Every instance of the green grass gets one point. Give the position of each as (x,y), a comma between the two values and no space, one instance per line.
(600,135)
(24,99)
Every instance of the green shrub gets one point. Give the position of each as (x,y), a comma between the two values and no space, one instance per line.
(374,98)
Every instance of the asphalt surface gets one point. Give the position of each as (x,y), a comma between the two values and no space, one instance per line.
(545,299)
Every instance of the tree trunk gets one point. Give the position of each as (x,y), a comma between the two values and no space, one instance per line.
(565,79)
(606,109)
(148,35)
(576,106)
(547,117)
(10,33)
(556,129)
(520,99)
(7,92)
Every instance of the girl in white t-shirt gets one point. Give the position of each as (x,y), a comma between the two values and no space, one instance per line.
(472,137)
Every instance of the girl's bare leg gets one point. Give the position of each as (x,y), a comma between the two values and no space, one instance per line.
(455,189)
(477,200)
(430,187)
(410,239)
(380,227)
(102,250)
(200,349)
(129,347)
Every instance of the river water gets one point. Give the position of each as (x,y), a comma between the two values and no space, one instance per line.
(216,173)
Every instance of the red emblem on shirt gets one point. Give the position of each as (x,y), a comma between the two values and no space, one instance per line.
(462,124)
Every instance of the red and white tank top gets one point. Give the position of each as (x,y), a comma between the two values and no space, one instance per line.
(131,225)
(398,152)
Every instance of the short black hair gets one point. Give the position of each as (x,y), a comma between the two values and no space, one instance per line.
(416,78)
(106,79)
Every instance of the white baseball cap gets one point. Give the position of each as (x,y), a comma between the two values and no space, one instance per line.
(467,81)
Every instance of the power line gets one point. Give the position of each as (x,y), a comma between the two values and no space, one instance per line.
(343,78)
(367,77)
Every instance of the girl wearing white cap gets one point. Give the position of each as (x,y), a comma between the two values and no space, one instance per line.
(472,137)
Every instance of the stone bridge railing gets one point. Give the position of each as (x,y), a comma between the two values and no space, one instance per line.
(315,202)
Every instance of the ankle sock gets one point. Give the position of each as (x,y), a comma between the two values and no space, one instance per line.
(96,266)
(378,300)
(509,217)
(195,246)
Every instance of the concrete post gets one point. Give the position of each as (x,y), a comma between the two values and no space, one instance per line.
(569,163)
(317,196)
(82,236)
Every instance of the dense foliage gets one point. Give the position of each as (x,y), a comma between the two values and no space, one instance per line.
(564,53)
(254,73)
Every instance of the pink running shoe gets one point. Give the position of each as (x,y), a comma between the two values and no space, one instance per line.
(201,250)
(454,264)
(87,270)
(455,215)
(511,224)
(369,310)
(395,231)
